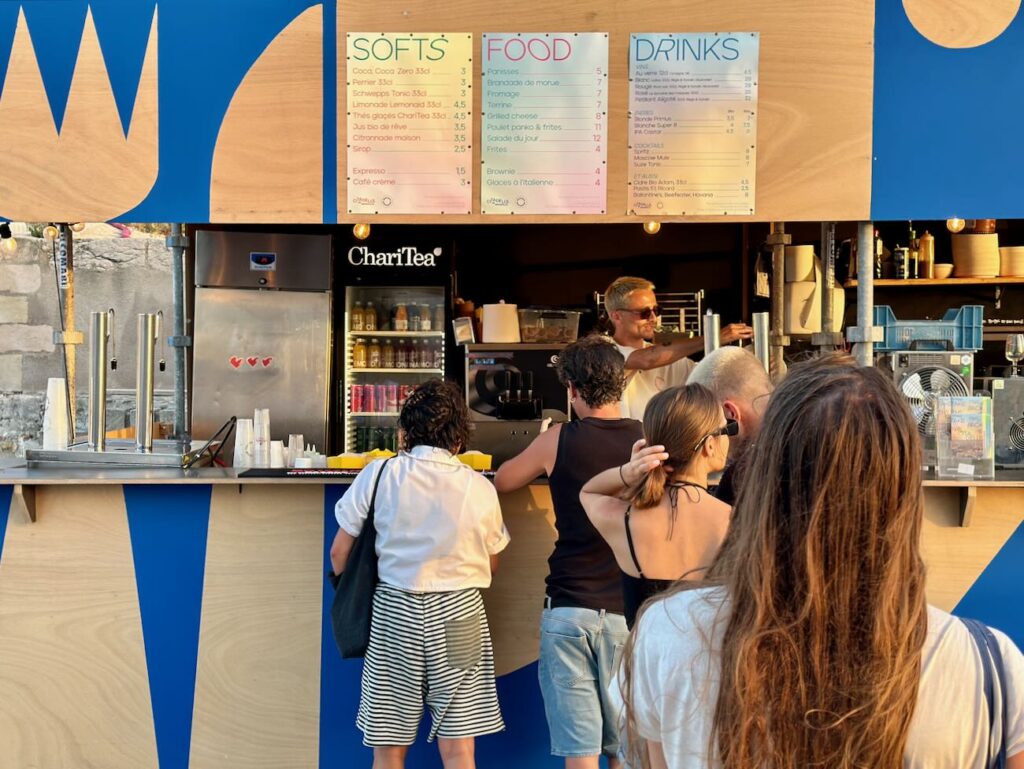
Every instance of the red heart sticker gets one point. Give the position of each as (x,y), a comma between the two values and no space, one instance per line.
(252,361)
(235,361)
(267,361)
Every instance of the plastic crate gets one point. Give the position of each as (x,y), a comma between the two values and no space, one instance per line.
(959,329)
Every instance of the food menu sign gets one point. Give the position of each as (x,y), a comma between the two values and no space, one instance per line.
(410,123)
(545,123)
(693,123)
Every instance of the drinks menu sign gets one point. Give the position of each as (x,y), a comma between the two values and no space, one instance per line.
(545,123)
(410,123)
(693,123)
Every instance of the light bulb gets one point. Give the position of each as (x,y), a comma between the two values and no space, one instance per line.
(652,227)
(50,232)
(78,226)
(9,245)
(955,225)
(361,231)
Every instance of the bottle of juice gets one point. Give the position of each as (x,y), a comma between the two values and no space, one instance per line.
(414,354)
(387,355)
(370,317)
(438,355)
(414,317)
(401,354)
(425,319)
(357,317)
(439,317)
(401,318)
(426,355)
(373,354)
(359,354)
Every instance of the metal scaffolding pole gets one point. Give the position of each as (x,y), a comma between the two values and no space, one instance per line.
(865,334)
(778,240)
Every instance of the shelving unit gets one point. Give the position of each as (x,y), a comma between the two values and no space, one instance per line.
(402,334)
(435,371)
(922,282)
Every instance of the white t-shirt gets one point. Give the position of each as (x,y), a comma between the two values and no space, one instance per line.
(676,678)
(438,521)
(644,384)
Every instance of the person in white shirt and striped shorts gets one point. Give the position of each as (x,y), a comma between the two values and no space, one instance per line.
(439,530)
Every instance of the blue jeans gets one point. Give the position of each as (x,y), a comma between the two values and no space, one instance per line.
(579,653)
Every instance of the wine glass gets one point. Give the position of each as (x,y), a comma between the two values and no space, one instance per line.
(1014,351)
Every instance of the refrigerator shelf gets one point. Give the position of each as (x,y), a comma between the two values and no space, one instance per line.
(405,334)
(373,414)
(396,371)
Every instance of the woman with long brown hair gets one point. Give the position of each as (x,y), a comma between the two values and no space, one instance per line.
(810,644)
(667,526)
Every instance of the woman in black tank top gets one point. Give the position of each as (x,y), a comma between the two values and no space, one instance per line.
(636,506)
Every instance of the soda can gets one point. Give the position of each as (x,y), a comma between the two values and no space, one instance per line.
(392,399)
(356,392)
(403,394)
(381,396)
(369,398)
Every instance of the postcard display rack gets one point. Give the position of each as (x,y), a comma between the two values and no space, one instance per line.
(964,438)
(394,340)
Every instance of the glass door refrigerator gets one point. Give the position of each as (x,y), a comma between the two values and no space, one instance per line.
(395,324)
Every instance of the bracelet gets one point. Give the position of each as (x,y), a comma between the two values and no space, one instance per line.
(623,478)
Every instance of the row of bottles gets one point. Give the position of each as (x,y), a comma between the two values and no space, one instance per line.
(915,260)
(400,317)
(400,353)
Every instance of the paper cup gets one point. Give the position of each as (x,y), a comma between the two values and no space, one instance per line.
(55,416)
(303,462)
(277,453)
(243,443)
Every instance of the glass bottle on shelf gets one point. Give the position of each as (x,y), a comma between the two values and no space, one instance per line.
(401,318)
(373,354)
(439,317)
(359,354)
(370,317)
(438,361)
(387,355)
(401,354)
(414,354)
(414,317)
(357,317)
(425,319)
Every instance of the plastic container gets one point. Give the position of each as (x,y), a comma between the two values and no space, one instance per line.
(545,326)
(476,460)
(959,329)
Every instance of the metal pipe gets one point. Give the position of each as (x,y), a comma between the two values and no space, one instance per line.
(144,356)
(761,349)
(864,348)
(778,240)
(828,280)
(712,331)
(98,333)
(177,242)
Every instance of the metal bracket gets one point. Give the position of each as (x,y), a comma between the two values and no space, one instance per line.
(179,341)
(24,500)
(827,339)
(779,339)
(68,337)
(177,241)
(779,239)
(859,335)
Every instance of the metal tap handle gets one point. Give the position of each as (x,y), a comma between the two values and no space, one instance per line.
(160,336)
(113,339)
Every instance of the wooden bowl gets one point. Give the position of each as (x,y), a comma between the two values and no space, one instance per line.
(943,271)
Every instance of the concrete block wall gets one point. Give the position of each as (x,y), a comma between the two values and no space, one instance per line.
(130,275)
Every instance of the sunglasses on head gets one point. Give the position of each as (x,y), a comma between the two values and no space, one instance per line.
(731,428)
(645,313)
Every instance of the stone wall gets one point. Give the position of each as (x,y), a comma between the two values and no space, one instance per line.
(130,275)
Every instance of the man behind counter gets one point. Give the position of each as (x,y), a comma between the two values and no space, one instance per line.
(634,313)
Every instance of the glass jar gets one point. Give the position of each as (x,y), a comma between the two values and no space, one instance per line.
(373,354)
(359,354)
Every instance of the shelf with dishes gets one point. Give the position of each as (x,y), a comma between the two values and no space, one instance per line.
(360,370)
(920,282)
(393,334)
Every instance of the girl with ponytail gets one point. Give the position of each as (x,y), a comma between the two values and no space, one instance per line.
(655,512)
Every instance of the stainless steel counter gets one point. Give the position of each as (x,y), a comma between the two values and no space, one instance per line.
(51,476)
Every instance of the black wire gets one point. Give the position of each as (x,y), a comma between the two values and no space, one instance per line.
(64,346)
(230,427)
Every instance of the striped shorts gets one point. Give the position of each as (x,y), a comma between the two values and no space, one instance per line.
(430,649)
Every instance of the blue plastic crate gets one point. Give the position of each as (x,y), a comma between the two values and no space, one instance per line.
(960,328)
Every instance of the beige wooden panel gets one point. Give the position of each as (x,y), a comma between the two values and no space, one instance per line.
(91,171)
(815,90)
(961,23)
(268,161)
(516,596)
(73,685)
(257,698)
(957,555)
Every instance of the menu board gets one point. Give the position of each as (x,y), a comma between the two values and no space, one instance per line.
(545,123)
(693,123)
(410,123)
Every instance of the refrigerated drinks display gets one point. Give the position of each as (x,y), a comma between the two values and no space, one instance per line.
(394,339)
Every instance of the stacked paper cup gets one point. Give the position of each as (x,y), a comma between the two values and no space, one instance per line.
(55,416)
(243,443)
(261,438)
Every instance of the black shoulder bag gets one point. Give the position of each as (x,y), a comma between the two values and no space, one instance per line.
(993,675)
(353,590)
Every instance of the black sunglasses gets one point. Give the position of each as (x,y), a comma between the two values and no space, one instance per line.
(732,429)
(646,313)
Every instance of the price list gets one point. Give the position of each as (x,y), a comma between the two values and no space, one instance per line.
(409,116)
(693,123)
(545,123)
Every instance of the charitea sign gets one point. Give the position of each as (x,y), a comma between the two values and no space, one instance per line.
(405,256)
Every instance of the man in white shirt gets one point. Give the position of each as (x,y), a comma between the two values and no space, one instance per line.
(634,314)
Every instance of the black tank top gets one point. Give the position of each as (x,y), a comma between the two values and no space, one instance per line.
(582,569)
(636,590)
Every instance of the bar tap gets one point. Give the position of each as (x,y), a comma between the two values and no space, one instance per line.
(100,330)
(761,339)
(712,331)
(148,331)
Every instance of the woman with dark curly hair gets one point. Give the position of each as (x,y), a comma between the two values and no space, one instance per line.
(583,627)
(439,530)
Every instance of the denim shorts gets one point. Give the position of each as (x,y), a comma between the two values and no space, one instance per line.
(579,652)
